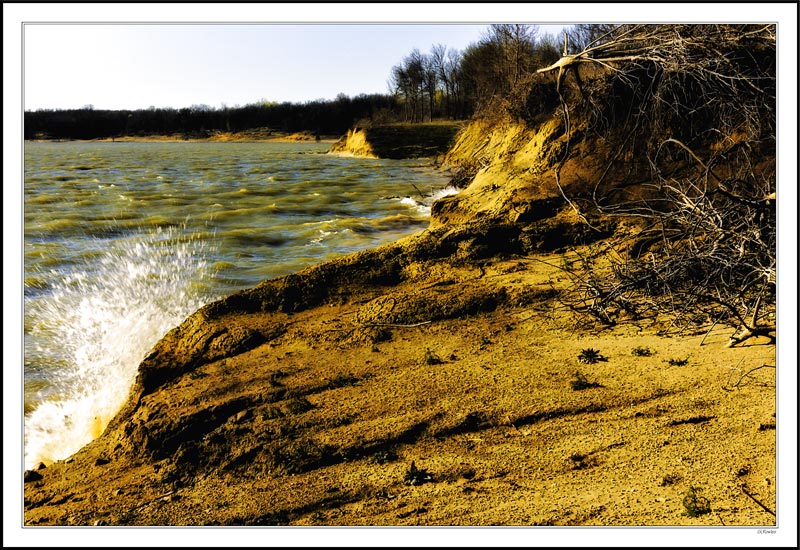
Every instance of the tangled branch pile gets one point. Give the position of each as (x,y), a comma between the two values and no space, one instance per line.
(695,106)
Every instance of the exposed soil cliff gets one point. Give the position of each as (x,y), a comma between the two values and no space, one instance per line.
(398,141)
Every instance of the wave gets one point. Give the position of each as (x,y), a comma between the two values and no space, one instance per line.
(96,325)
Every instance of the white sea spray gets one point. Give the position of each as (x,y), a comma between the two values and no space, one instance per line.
(98,323)
(423,203)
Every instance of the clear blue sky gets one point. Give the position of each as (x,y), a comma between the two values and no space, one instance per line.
(135,66)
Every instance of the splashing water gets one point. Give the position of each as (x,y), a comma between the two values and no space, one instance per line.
(423,205)
(98,324)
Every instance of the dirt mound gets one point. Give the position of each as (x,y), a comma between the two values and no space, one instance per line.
(398,141)
(447,394)
(235,324)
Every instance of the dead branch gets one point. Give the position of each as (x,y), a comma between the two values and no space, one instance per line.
(709,250)
(754,499)
(736,384)
(393,325)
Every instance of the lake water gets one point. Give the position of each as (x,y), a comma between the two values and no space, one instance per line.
(122,241)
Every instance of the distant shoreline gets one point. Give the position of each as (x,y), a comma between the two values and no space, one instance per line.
(219,137)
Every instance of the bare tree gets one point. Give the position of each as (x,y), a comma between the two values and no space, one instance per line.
(453,72)
(546,51)
(514,57)
(399,84)
(584,36)
(429,81)
(438,58)
(408,79)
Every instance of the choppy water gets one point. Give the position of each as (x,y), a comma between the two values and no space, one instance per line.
(122,241)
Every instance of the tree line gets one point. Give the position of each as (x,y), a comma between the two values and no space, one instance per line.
(444,83)
(447,83)
(320,117)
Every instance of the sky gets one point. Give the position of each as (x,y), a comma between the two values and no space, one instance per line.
(136,66)
(136,56)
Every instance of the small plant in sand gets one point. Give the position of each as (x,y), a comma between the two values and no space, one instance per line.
(431,358)
(583,461)
(416,476)
(275,378)
(580,382)
(669,479)
(384,456)
(695,504)
(675,362)
(196,374)
(381,335)
(590,356)
(639,351)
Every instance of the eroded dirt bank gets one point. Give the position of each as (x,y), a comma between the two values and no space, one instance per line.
(399,141)
(434,381)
